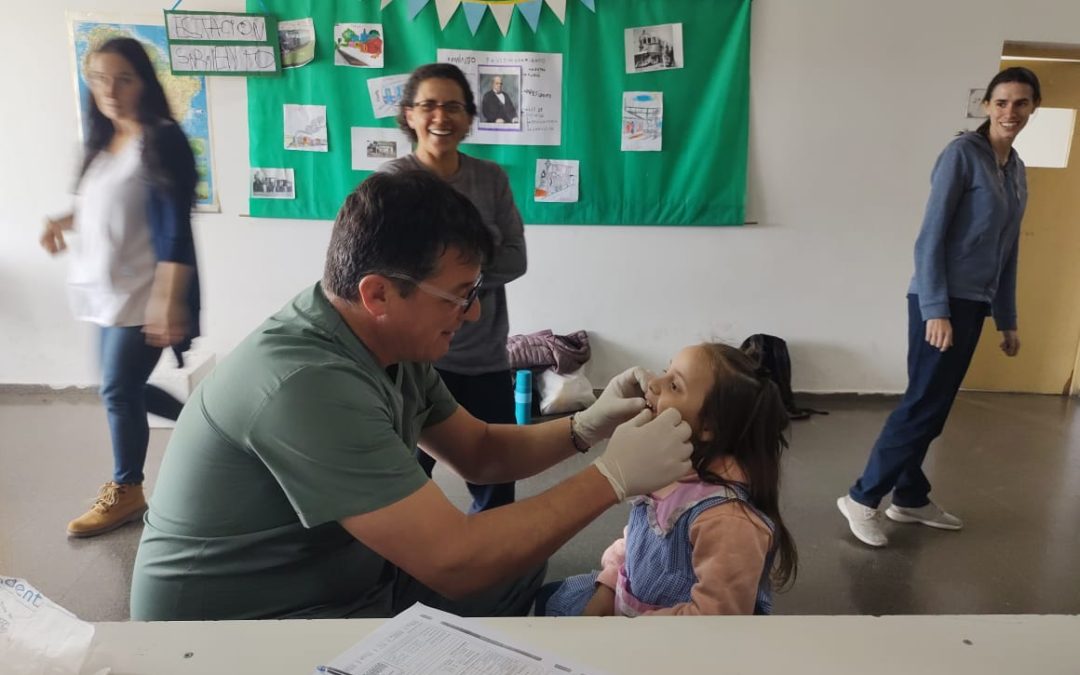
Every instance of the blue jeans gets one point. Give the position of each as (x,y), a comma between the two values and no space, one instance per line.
(934,378)
(126,364)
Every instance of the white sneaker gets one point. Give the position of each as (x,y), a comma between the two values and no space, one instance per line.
(865,522)
(931,514)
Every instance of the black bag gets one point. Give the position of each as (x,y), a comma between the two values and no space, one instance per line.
(771,353)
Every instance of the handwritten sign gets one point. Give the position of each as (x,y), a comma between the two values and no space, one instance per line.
(222,43)
(215,27)
(222,59)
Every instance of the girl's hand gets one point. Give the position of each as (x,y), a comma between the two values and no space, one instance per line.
(166,322)
(602,603)
(52,239)
(1010,342)
(939,333)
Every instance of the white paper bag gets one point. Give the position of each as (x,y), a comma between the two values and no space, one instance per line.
(38,637)
(564,393)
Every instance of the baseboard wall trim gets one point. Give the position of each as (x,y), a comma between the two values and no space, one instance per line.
(37,389)
(834,392)
(15,393)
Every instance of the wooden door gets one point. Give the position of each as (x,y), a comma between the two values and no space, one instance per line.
(1048,283)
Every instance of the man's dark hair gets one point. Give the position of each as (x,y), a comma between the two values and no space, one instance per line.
(401,223)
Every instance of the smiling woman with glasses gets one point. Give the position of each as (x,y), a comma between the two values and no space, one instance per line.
(437,112)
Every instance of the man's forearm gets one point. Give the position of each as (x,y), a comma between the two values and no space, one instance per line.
(498,544)
(509,452)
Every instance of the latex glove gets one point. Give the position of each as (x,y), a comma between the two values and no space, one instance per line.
(622,398)
(646,453)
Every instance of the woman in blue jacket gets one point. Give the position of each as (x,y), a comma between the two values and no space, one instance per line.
(965,269)
(132,261)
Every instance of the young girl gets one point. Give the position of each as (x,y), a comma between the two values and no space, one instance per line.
(713,542)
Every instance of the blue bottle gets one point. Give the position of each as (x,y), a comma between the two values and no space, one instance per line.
(523,396)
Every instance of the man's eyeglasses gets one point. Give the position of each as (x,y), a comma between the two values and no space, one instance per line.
(465,303)
(429,106)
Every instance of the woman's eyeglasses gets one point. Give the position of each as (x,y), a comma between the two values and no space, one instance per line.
(429,106)
(463,302)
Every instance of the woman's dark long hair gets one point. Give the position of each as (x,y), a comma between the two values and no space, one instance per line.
(747,420)
(169,163)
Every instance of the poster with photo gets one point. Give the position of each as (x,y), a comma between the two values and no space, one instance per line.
(386,93)
(297,41)
(272,184)
(642,120)
(359,45)
(305,128)
(374,146)
(650,48)
(501,97)
(525,102)
(557,180)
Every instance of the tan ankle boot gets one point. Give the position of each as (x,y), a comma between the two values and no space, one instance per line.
(117,503)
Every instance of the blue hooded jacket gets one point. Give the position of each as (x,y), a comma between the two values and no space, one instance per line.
(969,241)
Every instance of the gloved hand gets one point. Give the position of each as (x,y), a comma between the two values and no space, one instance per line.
(621,399)
(647,453)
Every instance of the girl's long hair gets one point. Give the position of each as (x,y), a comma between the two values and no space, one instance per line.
(169,164)
(747,420)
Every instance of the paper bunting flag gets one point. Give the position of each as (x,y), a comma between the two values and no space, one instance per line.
(531,12)
(502,11)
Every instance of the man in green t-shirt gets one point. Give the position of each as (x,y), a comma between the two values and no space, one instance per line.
(289,488)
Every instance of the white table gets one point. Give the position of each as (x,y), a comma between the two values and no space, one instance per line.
(788,645)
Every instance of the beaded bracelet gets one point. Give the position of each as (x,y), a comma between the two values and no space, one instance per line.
(574,438)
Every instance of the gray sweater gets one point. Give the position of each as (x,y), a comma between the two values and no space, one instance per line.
(480,346)
(969,242)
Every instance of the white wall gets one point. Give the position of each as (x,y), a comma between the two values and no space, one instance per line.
(851,100)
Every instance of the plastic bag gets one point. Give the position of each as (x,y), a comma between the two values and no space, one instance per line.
(564,393)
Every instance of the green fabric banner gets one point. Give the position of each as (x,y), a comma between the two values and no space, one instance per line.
(698,178)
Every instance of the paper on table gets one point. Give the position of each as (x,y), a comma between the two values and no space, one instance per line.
(426,640)
(37,636)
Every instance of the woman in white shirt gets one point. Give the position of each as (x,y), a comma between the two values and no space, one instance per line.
(132,264)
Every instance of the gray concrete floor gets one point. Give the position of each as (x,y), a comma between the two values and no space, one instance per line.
(1009,465)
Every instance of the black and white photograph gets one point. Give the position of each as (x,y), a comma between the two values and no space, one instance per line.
(650,48)
(500,97)
(272,184)
(374,146)
(382,149)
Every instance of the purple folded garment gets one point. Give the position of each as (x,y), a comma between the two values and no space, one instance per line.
(544,349)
